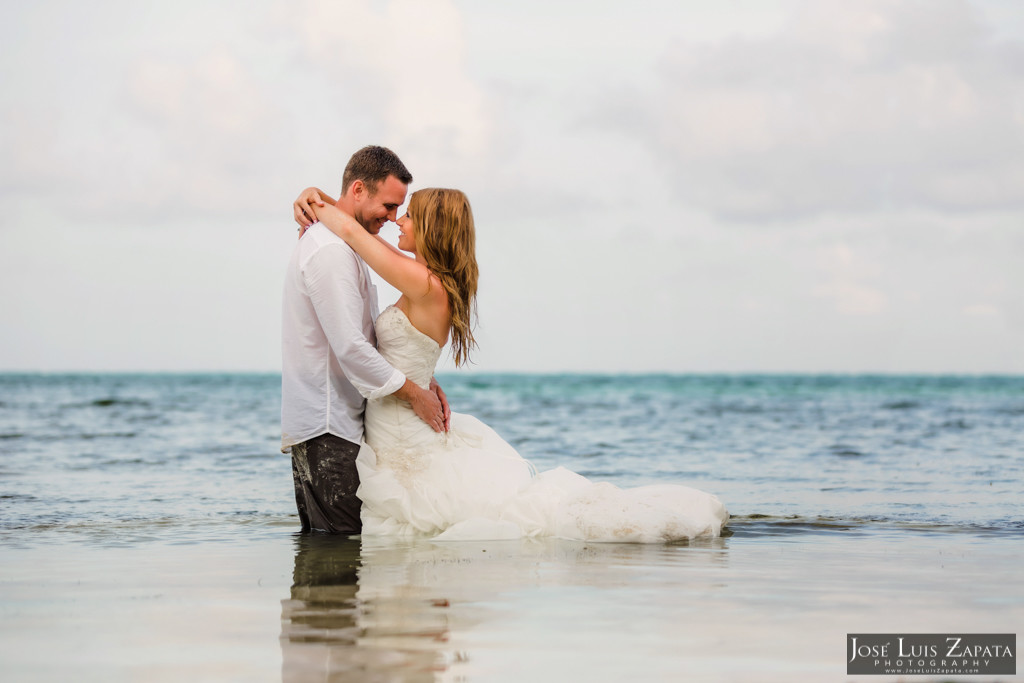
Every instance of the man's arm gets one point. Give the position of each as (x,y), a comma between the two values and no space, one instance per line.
(332,279)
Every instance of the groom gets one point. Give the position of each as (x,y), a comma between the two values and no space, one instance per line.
(330,364)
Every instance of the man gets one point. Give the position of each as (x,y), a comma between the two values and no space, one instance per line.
(330,361)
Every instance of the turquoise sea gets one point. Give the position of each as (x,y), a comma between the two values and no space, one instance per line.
(147,531)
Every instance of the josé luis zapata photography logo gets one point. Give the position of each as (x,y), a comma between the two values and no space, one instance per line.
(960,654)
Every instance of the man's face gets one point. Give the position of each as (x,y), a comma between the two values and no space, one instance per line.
(374,210)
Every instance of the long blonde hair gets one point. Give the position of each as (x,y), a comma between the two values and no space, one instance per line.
(446,239)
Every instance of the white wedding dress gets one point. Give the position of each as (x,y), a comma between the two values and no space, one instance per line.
(469,484)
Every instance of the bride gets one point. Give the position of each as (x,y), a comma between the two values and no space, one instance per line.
(467,483)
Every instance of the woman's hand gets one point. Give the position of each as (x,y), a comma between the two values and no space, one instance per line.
(303,210)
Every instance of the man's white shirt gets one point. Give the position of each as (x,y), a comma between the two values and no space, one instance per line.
(330,362)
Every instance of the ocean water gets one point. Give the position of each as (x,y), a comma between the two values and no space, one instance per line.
(148,532)
(111,459)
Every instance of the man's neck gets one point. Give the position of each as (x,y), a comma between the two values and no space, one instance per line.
(346,203)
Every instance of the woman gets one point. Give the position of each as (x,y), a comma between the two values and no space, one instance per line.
(468,483)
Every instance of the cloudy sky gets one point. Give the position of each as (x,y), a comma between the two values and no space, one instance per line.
(819,186)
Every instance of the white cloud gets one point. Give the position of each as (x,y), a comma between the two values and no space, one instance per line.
(404,64)
(616,160)
(142,119)
(845,282)
(982,310)
(865,106)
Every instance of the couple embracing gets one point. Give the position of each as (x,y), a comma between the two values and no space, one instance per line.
(375,448)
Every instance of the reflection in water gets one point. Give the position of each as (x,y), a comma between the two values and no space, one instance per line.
(413,610)
(332,632)
(318,621)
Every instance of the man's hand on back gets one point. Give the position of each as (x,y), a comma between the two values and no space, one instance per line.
(424,403)
(436,388)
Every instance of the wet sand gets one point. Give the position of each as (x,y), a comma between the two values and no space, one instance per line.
(772,602)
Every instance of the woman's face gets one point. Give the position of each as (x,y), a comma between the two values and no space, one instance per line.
(406,233)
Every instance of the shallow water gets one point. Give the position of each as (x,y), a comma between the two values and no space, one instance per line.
(749,607)
(148,533)
(197,454)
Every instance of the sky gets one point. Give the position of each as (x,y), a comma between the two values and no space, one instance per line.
(732,186)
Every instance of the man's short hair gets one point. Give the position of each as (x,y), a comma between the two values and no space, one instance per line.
(373,164)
